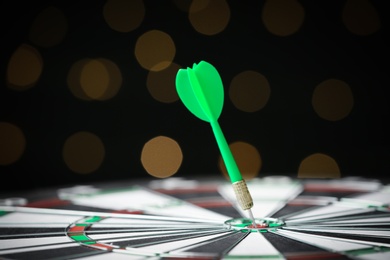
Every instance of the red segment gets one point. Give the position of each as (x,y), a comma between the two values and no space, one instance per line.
(47,203)
(211,204)
(103,246)
(76,230)
(314,256)
(211,188)
(124,211)
(262,225)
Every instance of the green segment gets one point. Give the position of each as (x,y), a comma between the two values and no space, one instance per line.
(83,239)
(373,250)
(201,91)
(94,219)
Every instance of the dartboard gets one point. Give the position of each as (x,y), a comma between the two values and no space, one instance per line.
(178,218)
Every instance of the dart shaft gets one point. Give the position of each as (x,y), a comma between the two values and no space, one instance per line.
(243,196)
(227,156)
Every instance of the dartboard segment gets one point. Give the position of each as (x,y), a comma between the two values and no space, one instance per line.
(313,219)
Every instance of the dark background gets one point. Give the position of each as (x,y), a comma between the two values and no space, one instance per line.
(285,131)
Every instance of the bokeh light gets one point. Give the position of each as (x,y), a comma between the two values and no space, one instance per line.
(83,152)
(12,143)
(100,79)
(161,156)
(248,160)
(283,17)
(24,68)
(49,27)
(360,17)
(302,77)
(94,79)
(249,91)
(155,50)
(209,17)
(332,99)
(319,165)
(124,16)
(161,84)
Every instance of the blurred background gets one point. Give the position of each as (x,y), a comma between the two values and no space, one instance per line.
(88,89)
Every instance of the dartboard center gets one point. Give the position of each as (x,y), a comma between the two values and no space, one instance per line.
(247,225)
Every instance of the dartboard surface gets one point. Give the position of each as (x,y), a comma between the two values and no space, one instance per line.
(179,218)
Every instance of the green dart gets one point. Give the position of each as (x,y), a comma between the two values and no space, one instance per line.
(201,91)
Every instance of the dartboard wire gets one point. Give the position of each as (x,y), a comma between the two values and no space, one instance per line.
(104,214)
(349,204)
(81,228)
(185,250)
(349,246)
(380,238)
(322,218)
(111,231)
(143,234)
(384,232)
(190,236)
(347,219)
(70,242)
(137,246)
(220,255)
(82,214)
(83,238)
(319,221)
(181,236)
(25,248)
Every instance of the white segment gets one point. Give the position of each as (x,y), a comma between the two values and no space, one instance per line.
(329,243)
(374,256)
(371,220)
(116,255)
(350,231)
(24,243)
(147,201)
(171,247)
(334,210)
(254,244)
(380,198)
(21,219)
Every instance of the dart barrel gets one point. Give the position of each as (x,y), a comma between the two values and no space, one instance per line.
(242,194)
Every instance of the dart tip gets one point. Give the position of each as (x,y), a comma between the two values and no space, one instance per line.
(252,218)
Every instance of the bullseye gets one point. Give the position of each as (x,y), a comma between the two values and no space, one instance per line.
(246,224)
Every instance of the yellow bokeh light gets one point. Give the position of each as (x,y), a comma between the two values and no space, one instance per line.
(123,15)
(83,152)
(94,79)
(24,68)
(209,17)
(360,17)
(161,84)
(155,50)
(248,160)
(249,91)
(283,17)
(12,143)
(49,27)
(161,157)
(319,165)
(332,100)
